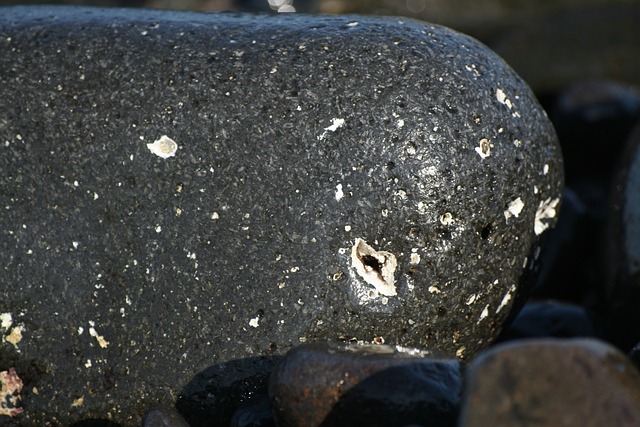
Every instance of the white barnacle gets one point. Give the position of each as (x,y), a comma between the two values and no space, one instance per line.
(484,148)
(546,210)
(377,268)
(514,209)
(164,147)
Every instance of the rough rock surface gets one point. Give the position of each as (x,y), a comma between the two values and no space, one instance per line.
(579,382)
(335,384)
(180,190)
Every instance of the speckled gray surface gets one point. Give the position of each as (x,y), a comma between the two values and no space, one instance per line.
(126,273)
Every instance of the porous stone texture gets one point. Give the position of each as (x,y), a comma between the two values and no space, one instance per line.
(623,266)
(341,384)
(184,190)
(544,382)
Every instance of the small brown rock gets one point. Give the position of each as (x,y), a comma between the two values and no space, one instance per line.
(548,382)
(333,384)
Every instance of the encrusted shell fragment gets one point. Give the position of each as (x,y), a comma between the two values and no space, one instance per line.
(164,147)
(377,268)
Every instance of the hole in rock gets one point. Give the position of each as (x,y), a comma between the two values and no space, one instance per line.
(486,231)
(372,262)
(377,268)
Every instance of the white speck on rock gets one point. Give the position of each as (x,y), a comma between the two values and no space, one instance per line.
(400,124)
(101,341)
(414,258)
(506,299)
(545,169)
(502,98)
(164,147)
(446,218)
(484,313)
(401,194)
(377,268)
(254,322)
(514,209)
(6,320)
(472,68)
(484,149)
(335,125)
(352,24)
(434,290)
(339,192)
(546,210)
(15,336)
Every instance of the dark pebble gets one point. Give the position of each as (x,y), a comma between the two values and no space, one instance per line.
(549,382)
(163,417)
(551,319)
(183,190)
(332,384)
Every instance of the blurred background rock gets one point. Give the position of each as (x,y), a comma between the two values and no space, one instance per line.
(550,43)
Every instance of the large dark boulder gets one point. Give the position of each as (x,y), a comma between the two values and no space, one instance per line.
(182,190)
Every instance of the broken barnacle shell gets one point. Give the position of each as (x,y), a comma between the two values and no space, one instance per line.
(377,268)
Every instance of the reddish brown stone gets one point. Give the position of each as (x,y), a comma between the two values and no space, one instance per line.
(331,384)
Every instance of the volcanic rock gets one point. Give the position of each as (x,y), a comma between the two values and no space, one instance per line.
(182,190)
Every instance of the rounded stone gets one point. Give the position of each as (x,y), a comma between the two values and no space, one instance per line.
(183,189)
(578,382)
(163,417)
(550,319)
(342,384)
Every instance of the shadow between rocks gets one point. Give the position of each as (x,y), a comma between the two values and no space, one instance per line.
(215,393)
